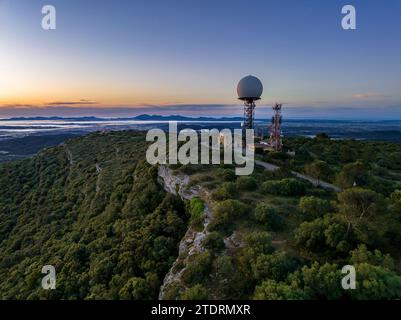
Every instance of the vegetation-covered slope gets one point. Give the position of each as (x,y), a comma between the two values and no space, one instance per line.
(276,237)
(93,209)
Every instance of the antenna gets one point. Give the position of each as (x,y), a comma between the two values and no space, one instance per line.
(275,128)
(249,90)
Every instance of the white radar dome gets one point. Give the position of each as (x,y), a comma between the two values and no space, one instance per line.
(249,88)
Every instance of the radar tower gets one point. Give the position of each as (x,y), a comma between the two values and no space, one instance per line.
(249,90)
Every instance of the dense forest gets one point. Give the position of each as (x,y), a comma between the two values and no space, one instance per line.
(94,209)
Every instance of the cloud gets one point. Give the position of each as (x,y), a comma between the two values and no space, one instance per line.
(367,95)
(79,102)
(18,105)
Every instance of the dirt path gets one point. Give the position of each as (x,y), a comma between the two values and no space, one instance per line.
(266,165)
(272,167)
(315,182)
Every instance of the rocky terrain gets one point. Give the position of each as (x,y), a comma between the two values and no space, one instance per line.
(191,243)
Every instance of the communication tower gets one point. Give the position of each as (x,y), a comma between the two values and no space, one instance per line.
(275,141)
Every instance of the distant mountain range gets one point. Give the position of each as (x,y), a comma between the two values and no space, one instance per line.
(147,117)
(142,117)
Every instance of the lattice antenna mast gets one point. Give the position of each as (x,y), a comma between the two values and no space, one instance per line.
(275,128)
(249,114)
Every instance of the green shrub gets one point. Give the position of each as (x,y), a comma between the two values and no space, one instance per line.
(352,173)
(268,215)
(226,191)
(313,207)
(196,208)
(363,255)
(274,266)
(226,174)
(324,236)
(376,283)
(172,291)
(225,213)
(285,187)
(214,242)
(259,242)
(198,268)
(318,170)
(197,292)
(245,183)
(272,290)
(135,289)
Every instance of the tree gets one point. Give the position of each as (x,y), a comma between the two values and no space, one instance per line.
(246,183)
(224,277)
(172,290)
(274,266)
(256,243)
(355,173)
(224,214)
(396,196)
(347,153)
(359,207)
(227,191)
(273,290)
(321,281)
(268,215)
(318,169)
(396,200)
(259,242)
(324,236)
(198,268)
(226,174)
(376,283)
(285,187)
(322,136)
(135,289)
(310,236)
(313,207)
(362,255)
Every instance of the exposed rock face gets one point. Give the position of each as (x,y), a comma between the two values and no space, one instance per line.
(233,242)
(175,184)
(191,243)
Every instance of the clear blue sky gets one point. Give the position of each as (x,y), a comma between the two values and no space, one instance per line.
(140,54)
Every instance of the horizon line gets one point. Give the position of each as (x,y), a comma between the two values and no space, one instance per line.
(16,118)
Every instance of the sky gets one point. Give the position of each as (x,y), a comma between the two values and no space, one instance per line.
(122,58)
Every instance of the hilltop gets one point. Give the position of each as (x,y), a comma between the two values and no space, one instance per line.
(115,227)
